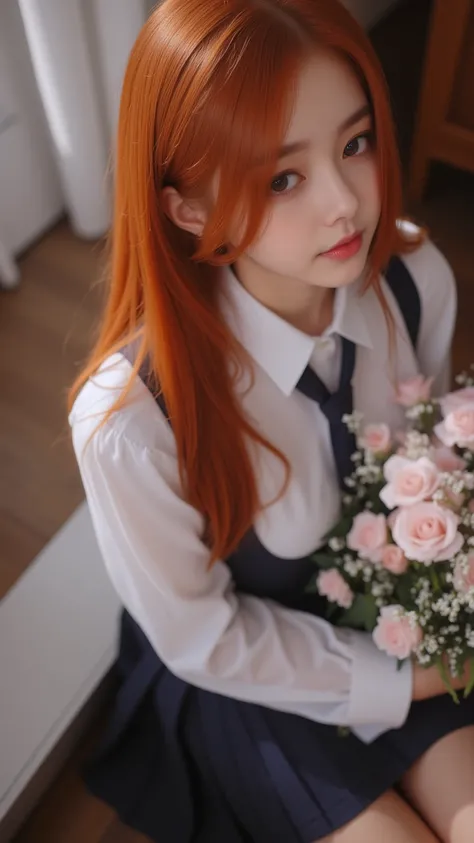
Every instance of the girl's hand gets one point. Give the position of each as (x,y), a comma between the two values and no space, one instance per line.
(427,682)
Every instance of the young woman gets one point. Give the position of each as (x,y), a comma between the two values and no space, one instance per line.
(260,288)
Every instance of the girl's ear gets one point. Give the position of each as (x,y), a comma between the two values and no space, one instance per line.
(188,214)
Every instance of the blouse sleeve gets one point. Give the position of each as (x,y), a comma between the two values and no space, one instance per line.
(205,632)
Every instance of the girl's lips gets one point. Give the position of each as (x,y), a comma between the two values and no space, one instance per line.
(345,249)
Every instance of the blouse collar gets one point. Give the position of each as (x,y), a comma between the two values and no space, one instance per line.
(279,348)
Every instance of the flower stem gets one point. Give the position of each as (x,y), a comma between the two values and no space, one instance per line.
(447,681)
(434,579)
(470,678)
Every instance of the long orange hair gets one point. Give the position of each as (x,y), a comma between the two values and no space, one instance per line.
(209,86)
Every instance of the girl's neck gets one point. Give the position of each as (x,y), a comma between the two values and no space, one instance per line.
(310,309)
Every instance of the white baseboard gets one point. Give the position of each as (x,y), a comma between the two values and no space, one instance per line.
(58,635)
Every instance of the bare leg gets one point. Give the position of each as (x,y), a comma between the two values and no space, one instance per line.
(441,786)
(390,820)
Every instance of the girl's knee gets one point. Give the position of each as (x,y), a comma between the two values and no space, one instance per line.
(390,819)
(462,825)
(440,785)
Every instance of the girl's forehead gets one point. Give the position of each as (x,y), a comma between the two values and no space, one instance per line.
(327,93)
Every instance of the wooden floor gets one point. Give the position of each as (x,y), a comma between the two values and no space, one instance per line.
(45,329)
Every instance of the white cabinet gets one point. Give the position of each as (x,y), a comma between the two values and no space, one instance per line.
(30,192)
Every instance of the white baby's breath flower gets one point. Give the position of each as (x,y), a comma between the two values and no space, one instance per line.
(415,412)
(353,421)
(353,567)
(416,445)
(470,636)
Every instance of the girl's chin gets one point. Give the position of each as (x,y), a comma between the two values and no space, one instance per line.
(342,276)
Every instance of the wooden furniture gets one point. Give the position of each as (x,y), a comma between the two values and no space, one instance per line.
(9,272)
(444,129)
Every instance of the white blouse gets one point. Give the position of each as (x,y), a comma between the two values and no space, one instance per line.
(208,634)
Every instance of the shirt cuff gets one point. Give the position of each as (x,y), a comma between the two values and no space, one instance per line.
(381,692)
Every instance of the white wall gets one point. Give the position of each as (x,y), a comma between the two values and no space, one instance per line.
(30,193)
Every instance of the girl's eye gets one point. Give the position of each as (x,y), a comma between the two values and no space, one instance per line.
(358,145)
(285,182)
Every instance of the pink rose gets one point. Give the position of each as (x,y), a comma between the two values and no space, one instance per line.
(413,391)
(393,559)
(409,481)
(395,633)
(464,575)
(427,532)
(458,427)
(368,535)
(333,586)
(446,460)
(456,399)
(376,438)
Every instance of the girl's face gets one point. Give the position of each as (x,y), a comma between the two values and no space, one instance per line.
(326,187)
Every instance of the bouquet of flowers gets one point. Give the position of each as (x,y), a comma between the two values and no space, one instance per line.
(400,562)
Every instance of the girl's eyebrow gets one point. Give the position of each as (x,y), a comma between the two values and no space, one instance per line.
(363,111)
(298,146)
(289,148)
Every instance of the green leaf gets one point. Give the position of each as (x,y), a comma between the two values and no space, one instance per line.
(470,680)
(362,614)
(403,594)
(434,579)
(341,529)
(379,508)
(324,560)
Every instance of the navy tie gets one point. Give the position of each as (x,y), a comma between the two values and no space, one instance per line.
(335,406)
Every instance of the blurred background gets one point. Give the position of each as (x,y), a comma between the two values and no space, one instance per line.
(61,70)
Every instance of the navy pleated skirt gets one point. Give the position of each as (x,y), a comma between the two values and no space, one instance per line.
(183,765)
